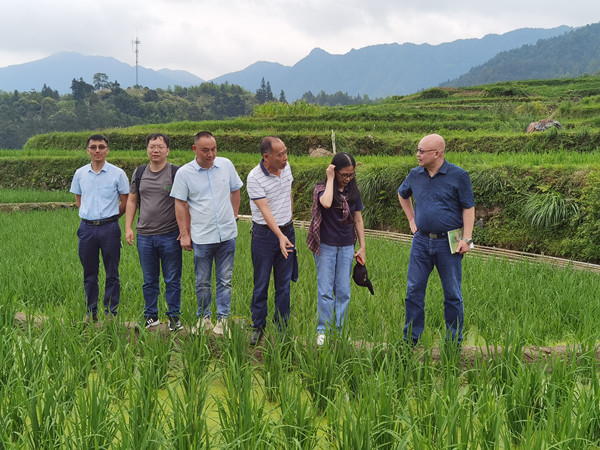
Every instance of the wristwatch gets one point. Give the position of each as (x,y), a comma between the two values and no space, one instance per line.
(468,241)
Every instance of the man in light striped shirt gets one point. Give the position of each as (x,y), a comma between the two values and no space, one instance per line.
(273,238)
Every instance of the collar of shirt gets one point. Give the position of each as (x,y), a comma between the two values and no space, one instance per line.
(262,166)
(443,169)
(104,167)
(197,166)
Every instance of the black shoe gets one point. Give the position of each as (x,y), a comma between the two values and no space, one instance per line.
(174,323)
(257,335)
(151,321)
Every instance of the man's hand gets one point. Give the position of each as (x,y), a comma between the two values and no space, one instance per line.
(286,246)
(129,236)
(186,242)
(462,247)
(413,226)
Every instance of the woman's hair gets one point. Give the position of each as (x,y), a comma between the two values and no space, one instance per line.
(340,161)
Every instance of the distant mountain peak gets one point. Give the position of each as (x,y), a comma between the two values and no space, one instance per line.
(59,69)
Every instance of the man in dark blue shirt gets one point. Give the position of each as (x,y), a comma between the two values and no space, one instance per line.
(443,202)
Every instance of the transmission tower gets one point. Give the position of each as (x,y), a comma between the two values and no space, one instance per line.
(137,43)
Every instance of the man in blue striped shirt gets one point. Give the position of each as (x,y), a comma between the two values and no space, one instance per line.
(273,238)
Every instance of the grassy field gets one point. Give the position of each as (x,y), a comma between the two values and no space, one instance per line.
(68,386)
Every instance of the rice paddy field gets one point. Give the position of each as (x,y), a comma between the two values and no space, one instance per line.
(67,385)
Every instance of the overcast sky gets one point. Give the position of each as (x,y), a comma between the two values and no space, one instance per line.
(214,37)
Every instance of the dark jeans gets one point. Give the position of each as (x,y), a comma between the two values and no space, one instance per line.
(425,253)
(267,257)
(156,252)
(92,240)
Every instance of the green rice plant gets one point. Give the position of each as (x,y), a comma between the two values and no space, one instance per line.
(142,418)
(156,353)
(187,426)
(115,361)
(46,412)
(93,423)
(276,362)
(297,426)
(526,403)
(321,372)
(34,196)
(242,418)
(13,395)
(589,407)
(549,210)
(350,428)
(196,360)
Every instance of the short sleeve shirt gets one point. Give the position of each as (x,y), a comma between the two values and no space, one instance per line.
(157,207)
(276,189)
(207,192)
(99,191)
(439,200)
(333,232)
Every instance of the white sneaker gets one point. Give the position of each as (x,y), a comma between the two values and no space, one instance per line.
(320,339)
(203,323)
(206,323)
(221,327)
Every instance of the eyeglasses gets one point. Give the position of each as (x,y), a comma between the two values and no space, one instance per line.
(157,147)
(347,176)
(420,151)
(98,147)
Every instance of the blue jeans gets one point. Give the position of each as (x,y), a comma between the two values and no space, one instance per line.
(156,251)
(425,253)
(334,267)
(267,257)
(107,239)
(223,254)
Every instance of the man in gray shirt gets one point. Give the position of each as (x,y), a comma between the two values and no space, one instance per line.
(157,231)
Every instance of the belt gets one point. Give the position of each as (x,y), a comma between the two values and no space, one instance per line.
(101,221)
(281,227)
(435,235)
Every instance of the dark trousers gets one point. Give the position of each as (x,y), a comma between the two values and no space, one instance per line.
(267,257)
(92,240)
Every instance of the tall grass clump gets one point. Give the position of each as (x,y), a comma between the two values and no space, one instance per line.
(549,210)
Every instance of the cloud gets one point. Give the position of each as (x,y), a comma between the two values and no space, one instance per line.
(213,37)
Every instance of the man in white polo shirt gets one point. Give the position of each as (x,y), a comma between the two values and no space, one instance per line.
(211,187)
(273,238)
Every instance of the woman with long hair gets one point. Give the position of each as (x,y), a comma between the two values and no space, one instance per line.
(336,225)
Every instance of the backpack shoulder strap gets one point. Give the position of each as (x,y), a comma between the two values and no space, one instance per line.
(174,169)
(138,179)
(138,175)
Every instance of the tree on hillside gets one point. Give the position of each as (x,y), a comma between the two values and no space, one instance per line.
(269,97)
(81,89)
(282,98)
(264,93)
(261,92)
(47,91)
(101,81)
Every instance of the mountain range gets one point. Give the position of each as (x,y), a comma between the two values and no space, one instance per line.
(386,69)
(377,71)
(58,70)
(568,55)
